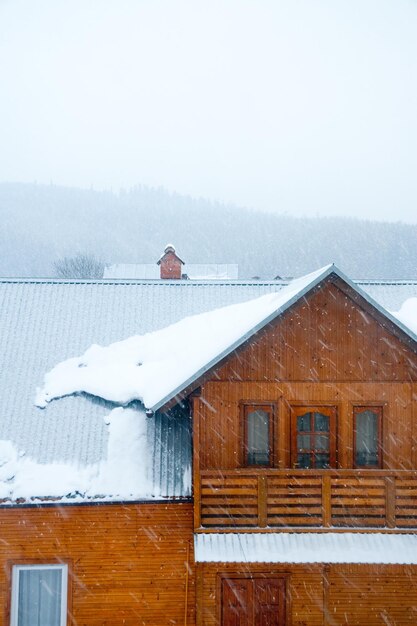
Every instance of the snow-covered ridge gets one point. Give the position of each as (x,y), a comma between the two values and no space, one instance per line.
(149,367)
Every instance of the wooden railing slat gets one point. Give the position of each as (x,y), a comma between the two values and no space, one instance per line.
(326,501)
(320,498)
(390,501)
(262,501)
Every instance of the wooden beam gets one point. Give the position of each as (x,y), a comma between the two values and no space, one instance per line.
(390,501)
(326,500)
(262,501)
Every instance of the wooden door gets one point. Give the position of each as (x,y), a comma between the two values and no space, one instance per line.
(237,602)
(253,602)
(313,437)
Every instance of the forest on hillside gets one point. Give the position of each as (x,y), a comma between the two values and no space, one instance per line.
(41,224)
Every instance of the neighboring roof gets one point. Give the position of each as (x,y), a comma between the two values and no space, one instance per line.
(203,271)
(144,271)
(44,322)
(324,547)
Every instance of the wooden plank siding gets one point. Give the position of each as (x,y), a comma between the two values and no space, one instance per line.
(374,595)
(323,595)
(331,349)
(220,428)
(325,337)
(127,562)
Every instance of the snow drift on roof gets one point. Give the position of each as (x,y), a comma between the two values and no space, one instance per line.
(408,314)
(122,475)
(325,547)
(152,367)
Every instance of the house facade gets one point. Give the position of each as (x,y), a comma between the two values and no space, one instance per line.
(281,467)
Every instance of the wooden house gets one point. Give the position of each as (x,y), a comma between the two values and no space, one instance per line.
(281,466)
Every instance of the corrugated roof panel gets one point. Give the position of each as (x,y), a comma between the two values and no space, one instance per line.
(44,322)
(324,547)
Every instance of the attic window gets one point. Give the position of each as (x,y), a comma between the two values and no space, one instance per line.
(258,420)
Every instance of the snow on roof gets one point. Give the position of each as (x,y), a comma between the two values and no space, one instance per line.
(153,367)
(46,321)
(408,314)
(124,474)
(325,547)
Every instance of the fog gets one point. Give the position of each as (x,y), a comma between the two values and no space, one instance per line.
(294,106)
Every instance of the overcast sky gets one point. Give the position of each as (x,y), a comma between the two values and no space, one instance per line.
(298,106)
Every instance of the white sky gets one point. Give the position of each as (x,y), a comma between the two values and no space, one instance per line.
(298,106)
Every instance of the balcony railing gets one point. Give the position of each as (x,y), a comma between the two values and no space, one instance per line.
(257,498)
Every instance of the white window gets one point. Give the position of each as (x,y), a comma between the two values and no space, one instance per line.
(39,595)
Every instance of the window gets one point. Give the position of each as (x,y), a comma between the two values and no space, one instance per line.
(258,424)
(39,595)
(367,427)
(313,437)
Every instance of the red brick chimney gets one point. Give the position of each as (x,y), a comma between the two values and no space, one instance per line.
(170,264)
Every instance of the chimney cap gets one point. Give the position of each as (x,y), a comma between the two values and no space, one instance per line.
(169,248)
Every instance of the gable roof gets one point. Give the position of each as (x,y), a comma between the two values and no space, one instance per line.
(44,322)
(159,367)
(284,300)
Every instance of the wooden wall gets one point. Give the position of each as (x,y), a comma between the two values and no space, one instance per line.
(218,426)
(127,562)
(330,348)
(371,595)
(326,336)
(320,595)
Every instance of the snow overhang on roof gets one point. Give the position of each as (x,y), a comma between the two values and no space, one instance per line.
(323,547)
(158,367)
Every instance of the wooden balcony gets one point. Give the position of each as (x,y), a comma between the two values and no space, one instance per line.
(256,499)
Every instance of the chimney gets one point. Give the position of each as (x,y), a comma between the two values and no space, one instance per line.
(170,264)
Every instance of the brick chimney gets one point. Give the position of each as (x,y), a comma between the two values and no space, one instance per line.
(170,264)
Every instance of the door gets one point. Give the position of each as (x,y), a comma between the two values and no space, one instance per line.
(253,601)
(313,437)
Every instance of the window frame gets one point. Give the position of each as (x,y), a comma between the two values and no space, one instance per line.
(376,408)
(251,405)
(17,567)
(331,410)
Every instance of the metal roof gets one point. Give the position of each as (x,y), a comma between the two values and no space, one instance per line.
(307,285)
(44,321)
(322,547)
